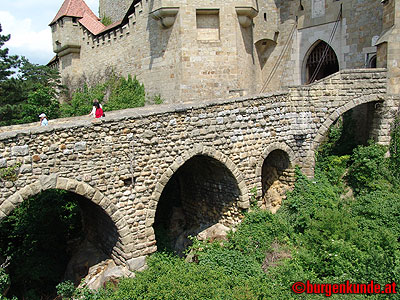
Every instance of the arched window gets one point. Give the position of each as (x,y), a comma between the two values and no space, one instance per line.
(321,62)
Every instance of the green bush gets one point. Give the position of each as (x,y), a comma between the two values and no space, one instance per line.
(370,168)
(126,93)
(82,101)
(4,281)
(395,147)
(334,167)
(123,93)
(65,289)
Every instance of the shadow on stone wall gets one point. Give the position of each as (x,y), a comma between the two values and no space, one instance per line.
(201,193)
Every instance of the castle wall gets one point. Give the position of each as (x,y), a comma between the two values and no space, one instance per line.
(140,48)
(207,53)
(353,42)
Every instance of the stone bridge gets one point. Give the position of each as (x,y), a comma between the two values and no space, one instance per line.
(136,166)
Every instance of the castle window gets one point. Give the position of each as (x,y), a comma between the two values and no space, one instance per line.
(265,16)
(74,20)
(207,21)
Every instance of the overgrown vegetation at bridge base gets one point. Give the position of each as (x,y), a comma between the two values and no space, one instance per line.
(323,233)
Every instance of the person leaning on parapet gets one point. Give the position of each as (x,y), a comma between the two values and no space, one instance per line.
(43,120)
(96,105)
(99,111)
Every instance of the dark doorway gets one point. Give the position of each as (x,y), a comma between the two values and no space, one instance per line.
(321,62)
(200,194)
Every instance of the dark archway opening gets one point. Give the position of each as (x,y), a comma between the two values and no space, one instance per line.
(276,179)
(353,128)
(321,62)
(52,237)
(201,193)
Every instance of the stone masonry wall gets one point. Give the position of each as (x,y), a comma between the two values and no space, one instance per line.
(99,158)
(208,54)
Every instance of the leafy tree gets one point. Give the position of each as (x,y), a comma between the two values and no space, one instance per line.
(26,89)
(7,62)
(35,237)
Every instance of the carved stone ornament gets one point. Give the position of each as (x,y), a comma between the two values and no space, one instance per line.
(165,16)
(246,15)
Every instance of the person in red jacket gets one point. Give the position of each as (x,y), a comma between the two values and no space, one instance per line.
(99,111)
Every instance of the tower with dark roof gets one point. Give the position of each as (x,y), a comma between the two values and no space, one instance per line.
(66,30)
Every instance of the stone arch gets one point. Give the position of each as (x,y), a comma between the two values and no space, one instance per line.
(308,164)
(268,150)
(83,189)
(308,50)
(244,200)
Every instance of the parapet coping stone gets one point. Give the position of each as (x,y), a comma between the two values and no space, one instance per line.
(8,132)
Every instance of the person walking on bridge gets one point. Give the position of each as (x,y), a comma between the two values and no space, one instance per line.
(43,120)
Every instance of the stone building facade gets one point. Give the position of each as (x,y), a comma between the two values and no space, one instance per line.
(201,49)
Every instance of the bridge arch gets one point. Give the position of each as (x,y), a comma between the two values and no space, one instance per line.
(324,128)
(93,195)
(217,184)
(244,201)
(277,158)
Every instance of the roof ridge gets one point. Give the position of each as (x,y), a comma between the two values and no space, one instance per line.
(73,8)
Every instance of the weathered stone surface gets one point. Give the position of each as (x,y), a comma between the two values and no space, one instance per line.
(20,150)
(3,163)
(214,232)
(104,272)
(80,146)
(136,263)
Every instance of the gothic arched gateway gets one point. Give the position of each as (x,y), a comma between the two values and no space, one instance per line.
(321,62)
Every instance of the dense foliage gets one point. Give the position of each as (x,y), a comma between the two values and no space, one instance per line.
(26,89)
(35,237)
(122,93)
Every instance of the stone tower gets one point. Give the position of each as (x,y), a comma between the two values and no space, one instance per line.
(67,34)
(114,9)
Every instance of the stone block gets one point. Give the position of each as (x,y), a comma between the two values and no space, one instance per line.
(20,150)
(61,183)
(48,182)
(136,263)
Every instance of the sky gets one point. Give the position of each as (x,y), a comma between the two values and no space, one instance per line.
(27,21)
